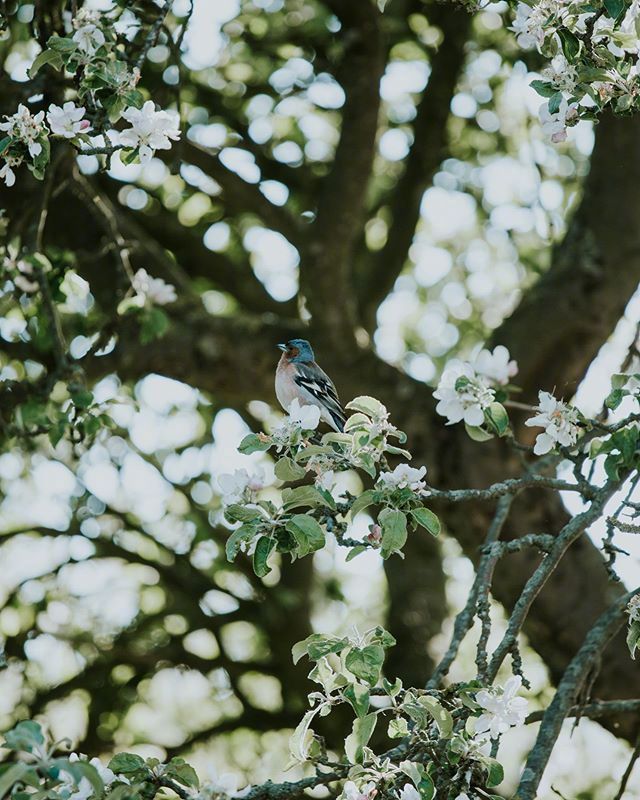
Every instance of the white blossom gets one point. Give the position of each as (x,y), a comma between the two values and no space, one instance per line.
(81,790)
(26,127)
(305,417)
(6,172)
(89,38)
(150,130)
(559,421)
(404,477)
(555,125)
(502,709)
(633,608)
(86,16)
(67,120)
(107,776)
(351,791)
(562,74)
(497,366)
(463,394)
(225,784)
(528,26)
(408,792)
(154,290)
(235,485)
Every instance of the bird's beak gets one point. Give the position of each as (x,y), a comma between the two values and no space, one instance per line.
(282,347)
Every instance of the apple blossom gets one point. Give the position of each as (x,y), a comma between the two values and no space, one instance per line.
(408,792)
(154,290)
(502,709)
(235,485)
(559,421)
(463,395)
(27,128)
(554,124)
(67,121)
(150,130)
(404,477)
(6,171)
(221,785)
(89,38)
(305,417)
(351,791)
(497,366)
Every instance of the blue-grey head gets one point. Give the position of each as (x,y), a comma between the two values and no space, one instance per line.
(298,351)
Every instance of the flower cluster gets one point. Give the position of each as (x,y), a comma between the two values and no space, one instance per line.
(560,423)
(467,389)
(404,477)
(152,291)
(592,54)
(25,139)
(239,486)
(150,130)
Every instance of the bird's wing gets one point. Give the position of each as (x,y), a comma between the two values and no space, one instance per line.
(320,386)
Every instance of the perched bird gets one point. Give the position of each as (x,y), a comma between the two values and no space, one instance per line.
(299,377)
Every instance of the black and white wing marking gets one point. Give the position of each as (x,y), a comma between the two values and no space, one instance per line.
(321,388)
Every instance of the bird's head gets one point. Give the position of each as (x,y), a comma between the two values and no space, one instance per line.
(298,351)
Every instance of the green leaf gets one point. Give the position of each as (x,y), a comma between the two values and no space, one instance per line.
(82,769)
(495,772)
(614,399)
(317,646)
(428,520)
(4,143)
(633,637)
(62,44)
(302,738)
(155,323)
(183,773)
(477,434)
(252,443)
(24,736)
(52,57)
(243,535)
(307,532)
(263,550)
(286,469)
(358,420)
(614,8)
(497,418)
(363,501)
(356,551)
(11,776)
(366,662)
(358,696)
(359,737)
(427,788)
(398,728)
(367,405)
(442,717)
(126,763)
(302,496)
(239,513)
(543,88)
(554,102)
(570,45)
(394,531)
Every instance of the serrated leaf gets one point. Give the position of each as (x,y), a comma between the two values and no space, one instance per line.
(633,637)
(394,531)
(303,496)
(263,550)
(366,662)
(398,728)
(51,57)
(126,763)
(497,418)
(428,520)
(614,8)
(307,532)
(367,405)
(495,772)
(286,469)
(363,501)
(317,646)
(477,434)
(359,737)
(239,513)
(243,535)
(356,551)
(24,736)
(358,696)
(357,420)
(570,45)
(441,716)
(252,443)
(554,102)
(183,773)
(543,88)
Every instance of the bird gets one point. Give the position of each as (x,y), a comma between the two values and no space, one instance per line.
(299,377)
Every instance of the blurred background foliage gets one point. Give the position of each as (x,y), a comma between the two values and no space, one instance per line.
(123,623)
